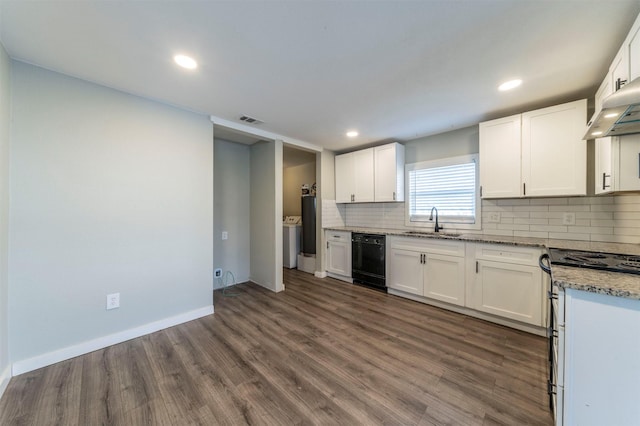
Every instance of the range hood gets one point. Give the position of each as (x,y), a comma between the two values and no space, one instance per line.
(620,114)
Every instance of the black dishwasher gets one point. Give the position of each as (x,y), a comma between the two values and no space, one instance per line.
(368,260)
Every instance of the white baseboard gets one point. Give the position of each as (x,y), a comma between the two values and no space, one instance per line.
(321,274)
(4,379)
(63,354)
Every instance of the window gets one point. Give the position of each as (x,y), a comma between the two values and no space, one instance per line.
(449,185)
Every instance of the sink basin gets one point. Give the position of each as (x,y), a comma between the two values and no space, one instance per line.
(431,233)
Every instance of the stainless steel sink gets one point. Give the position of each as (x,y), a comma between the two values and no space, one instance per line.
(434,234)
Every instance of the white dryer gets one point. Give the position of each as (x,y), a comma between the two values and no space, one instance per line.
(291,231)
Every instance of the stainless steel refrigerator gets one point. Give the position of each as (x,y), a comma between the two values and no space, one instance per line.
(308,224)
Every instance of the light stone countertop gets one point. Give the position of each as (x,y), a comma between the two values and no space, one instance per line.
(594,281)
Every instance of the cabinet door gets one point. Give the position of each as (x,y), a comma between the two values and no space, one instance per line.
(339,257)
(604,180)
(620,69)
(389,172)
(554,156)
(363,175)
(405,271)
(444,278)
(500,158)
(509,290)
(345,177)
(628,174)
(634,51)
(604,90)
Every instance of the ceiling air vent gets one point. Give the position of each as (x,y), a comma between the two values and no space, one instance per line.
(250,120)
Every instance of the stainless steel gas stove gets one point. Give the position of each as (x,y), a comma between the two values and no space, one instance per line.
(593,260)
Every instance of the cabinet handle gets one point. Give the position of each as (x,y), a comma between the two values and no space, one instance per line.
(619,83)
(394,195)
(327,245)
(604,176)
(477,267)
(524,188)
(639,165)
(481,190)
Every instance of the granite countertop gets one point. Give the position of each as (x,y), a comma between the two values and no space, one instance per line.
(594,281)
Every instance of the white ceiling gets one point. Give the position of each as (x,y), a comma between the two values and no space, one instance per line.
(311,70)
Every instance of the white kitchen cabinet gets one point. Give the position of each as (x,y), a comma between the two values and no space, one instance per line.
(405,270)
(389,173)
(619,69)
(633,43)
(354,173)
(345,178)
(604,179)
(509,283)
(430,268)
(604,166)
(355,176)
(627,176)
(500,154)
(554,156)
(338,253)
(601,362)
(370,175)
(534,154)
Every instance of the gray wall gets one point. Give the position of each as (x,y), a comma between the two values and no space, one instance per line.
(232,208)
(457,142)
(5,118)
(110,193)
(266,214)
(293,178)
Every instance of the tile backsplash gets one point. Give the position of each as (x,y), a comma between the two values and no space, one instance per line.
(613,218)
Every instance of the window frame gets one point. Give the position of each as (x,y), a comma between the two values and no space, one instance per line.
(450,161)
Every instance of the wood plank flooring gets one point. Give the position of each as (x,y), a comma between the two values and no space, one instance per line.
(321,352)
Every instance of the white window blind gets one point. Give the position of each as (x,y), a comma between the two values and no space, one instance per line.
(451,189)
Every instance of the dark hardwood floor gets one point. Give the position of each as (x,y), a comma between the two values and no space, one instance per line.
(321,352)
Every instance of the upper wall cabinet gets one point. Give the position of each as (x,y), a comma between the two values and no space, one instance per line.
(535,154)
(389,172)
(354,177)
(500,154)
(371,175)
(616,158)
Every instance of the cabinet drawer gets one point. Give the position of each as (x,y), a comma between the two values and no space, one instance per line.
(338,235)
(427,245)
(508,254)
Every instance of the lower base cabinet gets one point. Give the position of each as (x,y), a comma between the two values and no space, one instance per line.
(509,290)
(339,253)
(509,283)
(502,281)
(433,269)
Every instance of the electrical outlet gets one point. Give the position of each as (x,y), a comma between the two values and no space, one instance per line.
(225,235)
(113,301)
(217,273)
(494,217)
(568,218)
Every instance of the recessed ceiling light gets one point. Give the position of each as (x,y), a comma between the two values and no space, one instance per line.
(352,133)
(185,62)
(508,85)
(613,114)
(596,133)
